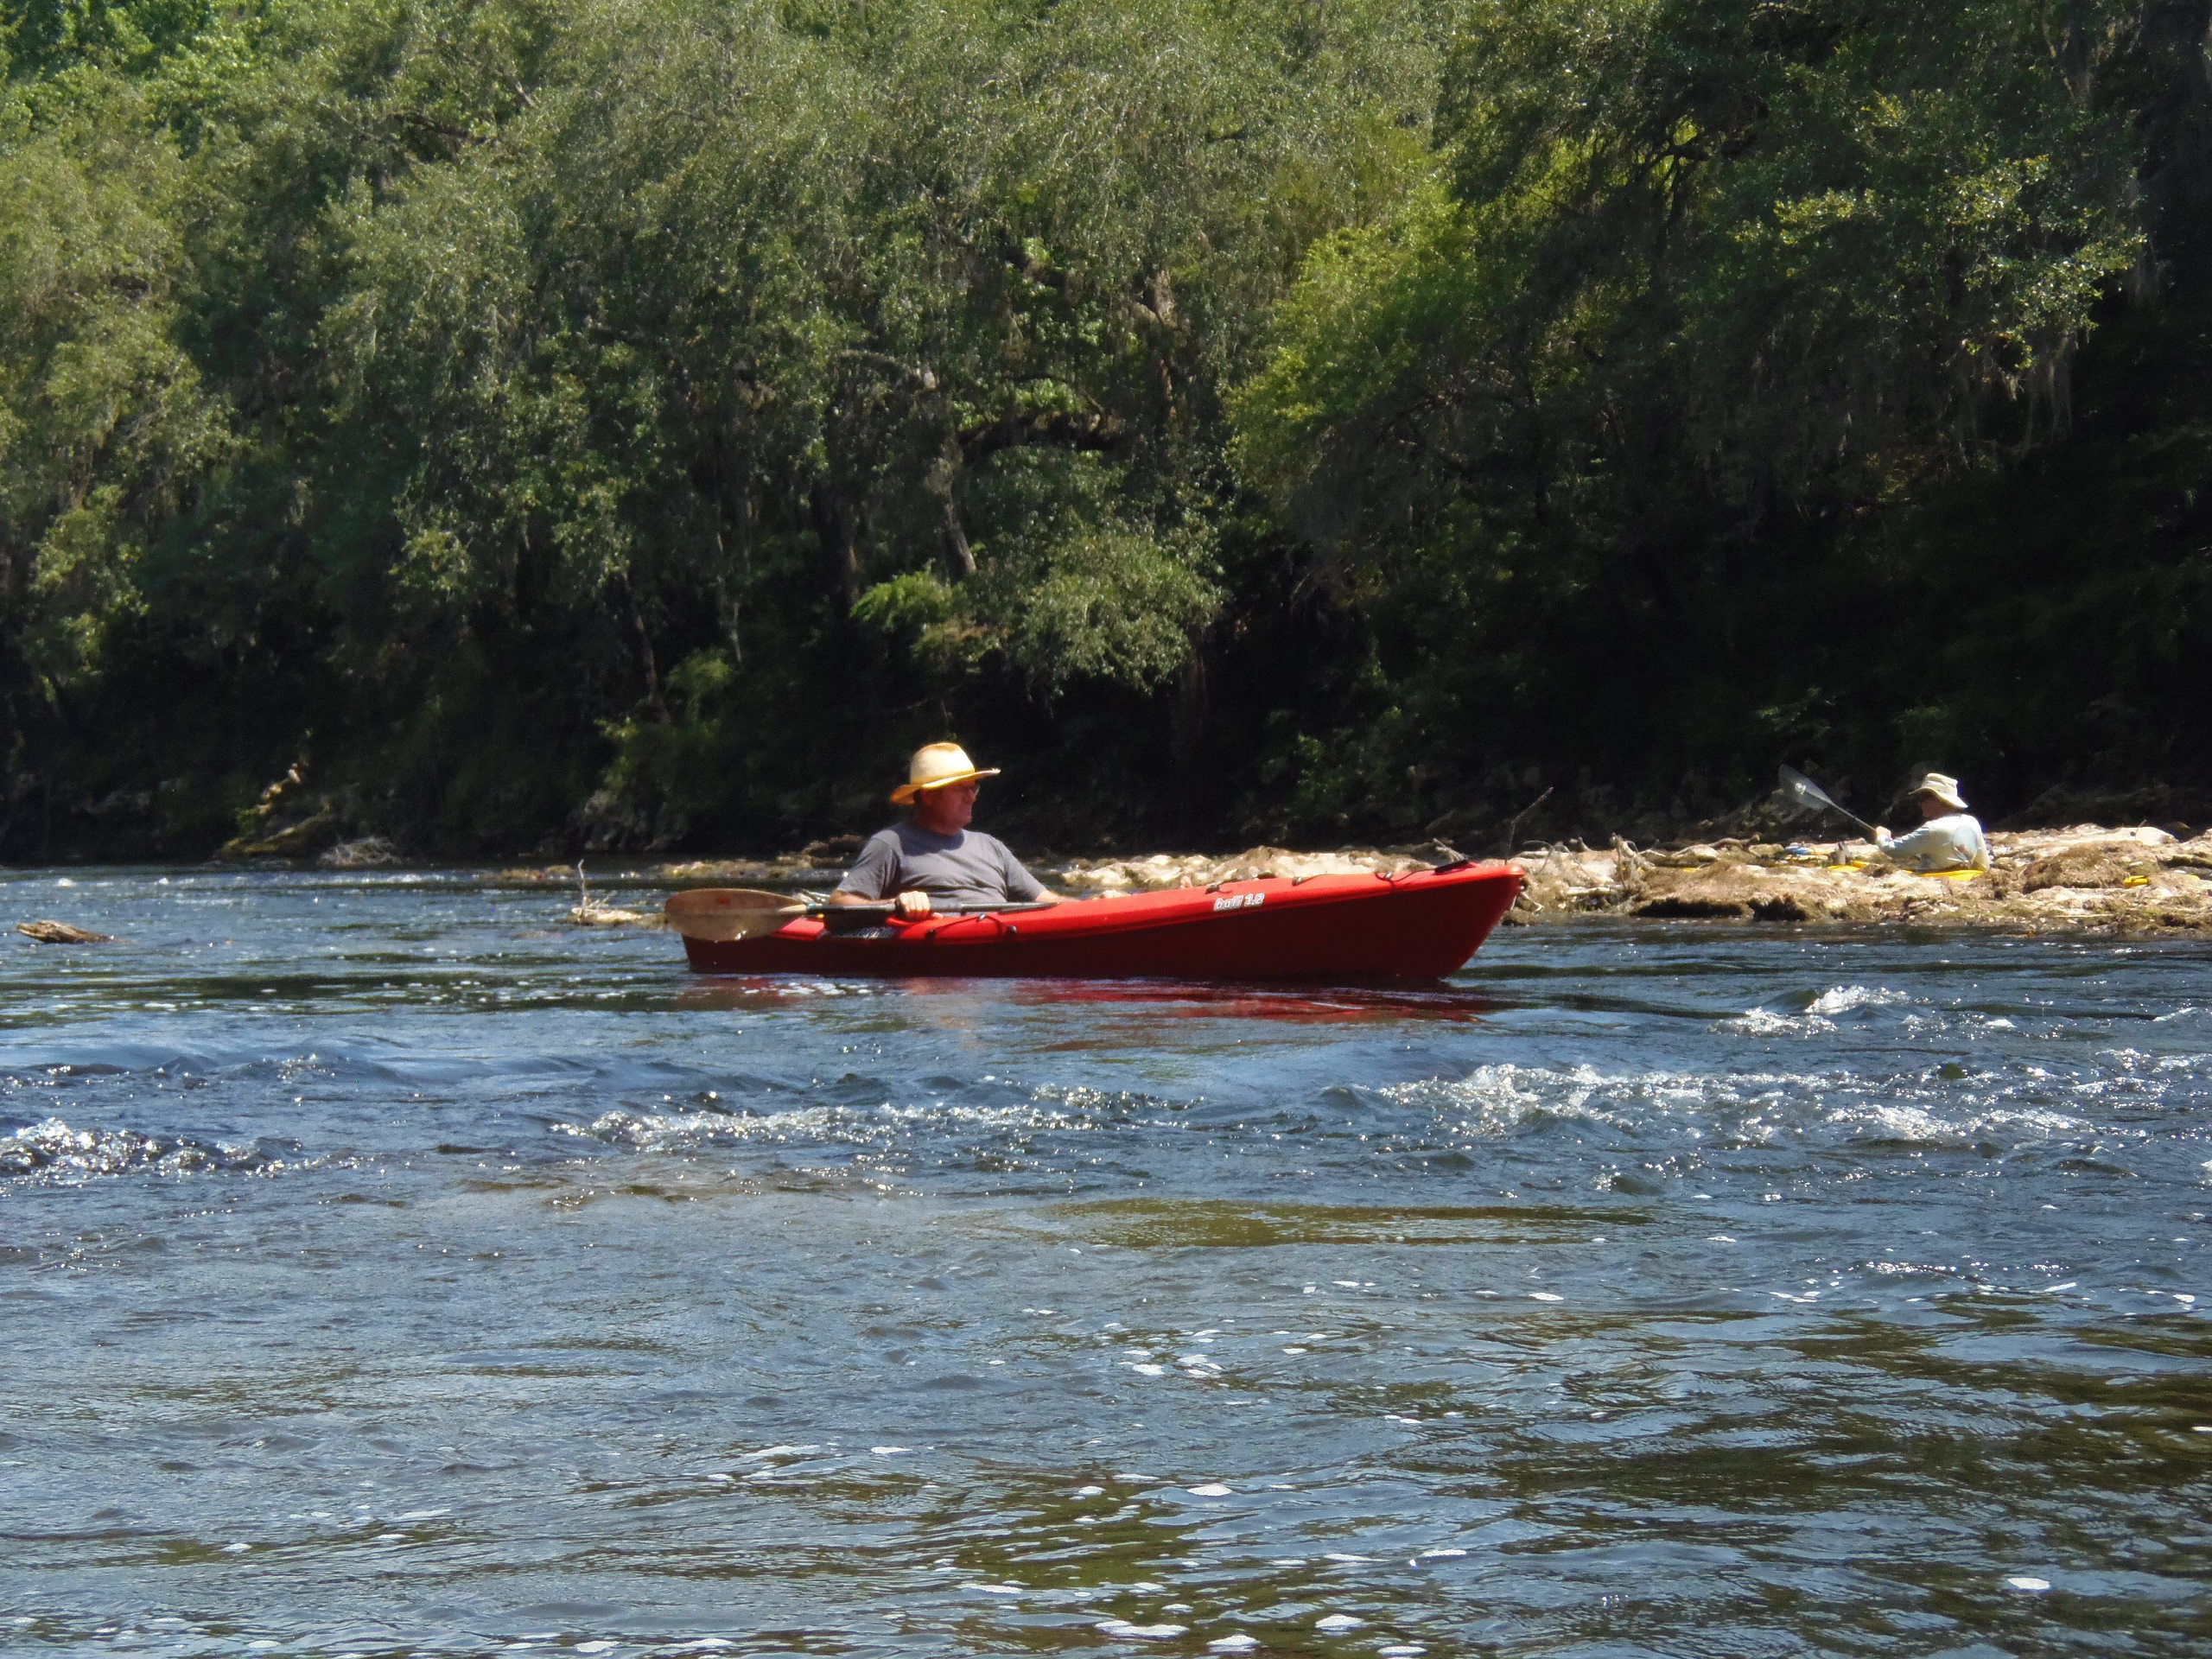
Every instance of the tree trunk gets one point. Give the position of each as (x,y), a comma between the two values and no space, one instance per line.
(833,528)
(938,483)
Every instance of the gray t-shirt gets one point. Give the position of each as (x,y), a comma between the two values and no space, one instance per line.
(965,868)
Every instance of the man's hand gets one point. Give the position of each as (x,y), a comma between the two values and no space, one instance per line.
(1881,836)
(912,906)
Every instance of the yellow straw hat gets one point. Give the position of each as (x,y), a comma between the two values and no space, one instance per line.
(1943,788)
(935,765)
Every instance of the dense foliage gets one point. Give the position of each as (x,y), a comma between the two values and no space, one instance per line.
(557,422)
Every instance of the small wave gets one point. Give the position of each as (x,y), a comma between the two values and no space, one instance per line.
(1744,1107)
(1502,1097)
(881,1126)
(1766,1022)
(55,1149)
(1812,1017)
(1916,1126)
(1842,999)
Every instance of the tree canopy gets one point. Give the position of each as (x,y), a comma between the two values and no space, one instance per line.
(636,423)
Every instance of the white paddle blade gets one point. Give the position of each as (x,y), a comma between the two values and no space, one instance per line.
(722,914)
(1803,790)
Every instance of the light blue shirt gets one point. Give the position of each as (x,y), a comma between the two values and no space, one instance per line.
(1952,842)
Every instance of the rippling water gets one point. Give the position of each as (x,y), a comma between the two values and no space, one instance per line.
(387,1269)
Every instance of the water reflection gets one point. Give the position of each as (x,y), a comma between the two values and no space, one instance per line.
(1167,999)
(393,1269)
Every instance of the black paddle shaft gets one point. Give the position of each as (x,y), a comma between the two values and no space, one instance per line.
(819,911)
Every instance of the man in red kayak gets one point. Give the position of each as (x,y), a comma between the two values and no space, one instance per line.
(932,854)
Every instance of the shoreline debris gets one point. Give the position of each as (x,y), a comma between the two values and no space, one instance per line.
(2086,877)
(589,912)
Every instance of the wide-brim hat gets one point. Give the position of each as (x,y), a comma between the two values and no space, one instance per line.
(1945,789)
(936,766)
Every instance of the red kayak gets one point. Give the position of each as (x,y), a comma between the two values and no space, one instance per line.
(1420,926)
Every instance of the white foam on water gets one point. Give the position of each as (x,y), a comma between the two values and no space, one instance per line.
(1766,1022)
(1545,1296)
(889,1451)
(2024,1581)
(1090,1491)
(1150,1370)
(1000,1589)
(1842,999)
(1122,1627)
(881,1126)
(1237,1643)
(1211,1489)
(1919,1126)
(1338,1622)
(54,1149)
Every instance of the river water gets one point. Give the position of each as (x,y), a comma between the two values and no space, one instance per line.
(386,1267)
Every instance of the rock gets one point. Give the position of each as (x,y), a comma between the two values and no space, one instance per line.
(62,933)
(717,872)
(303,839)
(2089,864)
(2188,855)
(1738,890)
(1685,858)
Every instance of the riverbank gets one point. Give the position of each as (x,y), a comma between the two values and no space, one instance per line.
(2086,877)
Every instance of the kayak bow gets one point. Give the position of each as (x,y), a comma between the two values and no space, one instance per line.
(1419,926)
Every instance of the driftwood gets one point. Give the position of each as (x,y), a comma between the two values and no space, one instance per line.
(62,933)
(590,912)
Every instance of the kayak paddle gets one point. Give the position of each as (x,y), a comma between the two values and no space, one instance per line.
(722,914)
(1803,790)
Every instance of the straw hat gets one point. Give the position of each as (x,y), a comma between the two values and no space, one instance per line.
(935,765)
(1945,789)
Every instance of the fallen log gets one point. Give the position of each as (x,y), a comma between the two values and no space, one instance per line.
(62,933)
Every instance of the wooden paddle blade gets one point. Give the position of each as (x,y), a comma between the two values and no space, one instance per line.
(721,914)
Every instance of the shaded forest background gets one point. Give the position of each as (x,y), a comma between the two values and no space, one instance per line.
(548,424)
